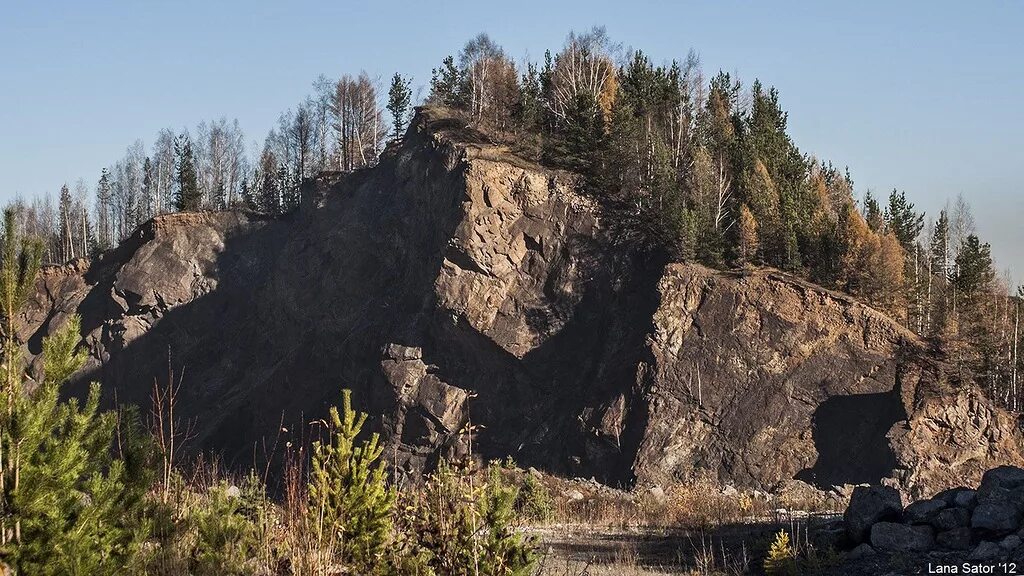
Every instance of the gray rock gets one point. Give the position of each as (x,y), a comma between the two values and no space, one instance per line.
(895,537)
(1002,496)
(574,495)
(949,496)
(656,492)
(923,511)
(951,518)
(986,552)
(868,505)
(1004,477)
(995,518)
(1010,543)
(966,499)
(862,551)
(955,539)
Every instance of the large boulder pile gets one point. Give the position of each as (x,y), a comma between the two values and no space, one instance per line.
(985,524)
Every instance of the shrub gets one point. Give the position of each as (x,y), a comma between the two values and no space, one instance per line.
(781,559)
(463,527)
(226,537)
(535,500)
(70,506)
(350,503)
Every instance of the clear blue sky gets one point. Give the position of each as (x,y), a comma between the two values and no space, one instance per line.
(923,96)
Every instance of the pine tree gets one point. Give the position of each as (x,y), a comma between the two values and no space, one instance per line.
(70,507)
(21,258)
(446,84)
(104,195)
(190,197)
(939,271)
(902,220)
(147,207)
(873,213)
(350,503)
(529,109)
(269,198)
(67,245)
(973,271)
(399,98)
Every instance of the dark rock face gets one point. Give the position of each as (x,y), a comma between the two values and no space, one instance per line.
(456,287)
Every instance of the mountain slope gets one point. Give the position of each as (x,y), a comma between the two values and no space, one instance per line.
(456,284)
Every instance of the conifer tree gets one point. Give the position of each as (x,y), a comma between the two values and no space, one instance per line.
(529,110)
(973,271)
(399,98)
(873,213)
(69,506)
(902,220)
(350,503)
(147,207)
(67,245)
(104,196)
(190,197)
(747,249)
(446,84)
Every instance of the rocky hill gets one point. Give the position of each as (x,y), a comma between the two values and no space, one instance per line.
(457,284)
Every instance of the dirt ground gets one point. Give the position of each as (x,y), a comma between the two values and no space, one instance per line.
(577,550)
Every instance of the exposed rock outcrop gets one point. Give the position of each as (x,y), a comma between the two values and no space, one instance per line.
(457,287)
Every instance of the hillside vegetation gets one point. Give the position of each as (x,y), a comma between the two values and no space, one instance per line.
(593,264)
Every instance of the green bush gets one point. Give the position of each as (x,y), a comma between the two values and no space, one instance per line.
(70,506)
(227,537)
(535,500)
(462,525)
(350,502)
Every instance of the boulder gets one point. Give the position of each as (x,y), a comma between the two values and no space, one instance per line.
(966,499)
(894,537)
(997,495)
(923,511)
(861,551)
(1010,543)
(574,495)
(1009,477)
(955,539)
(951,518)
(986,552)
(995,518)
(961,496)
(868,505)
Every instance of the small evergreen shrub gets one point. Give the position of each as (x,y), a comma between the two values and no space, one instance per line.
(781,559)
(462,525)
(70,506)
(350,502)
(535,500)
